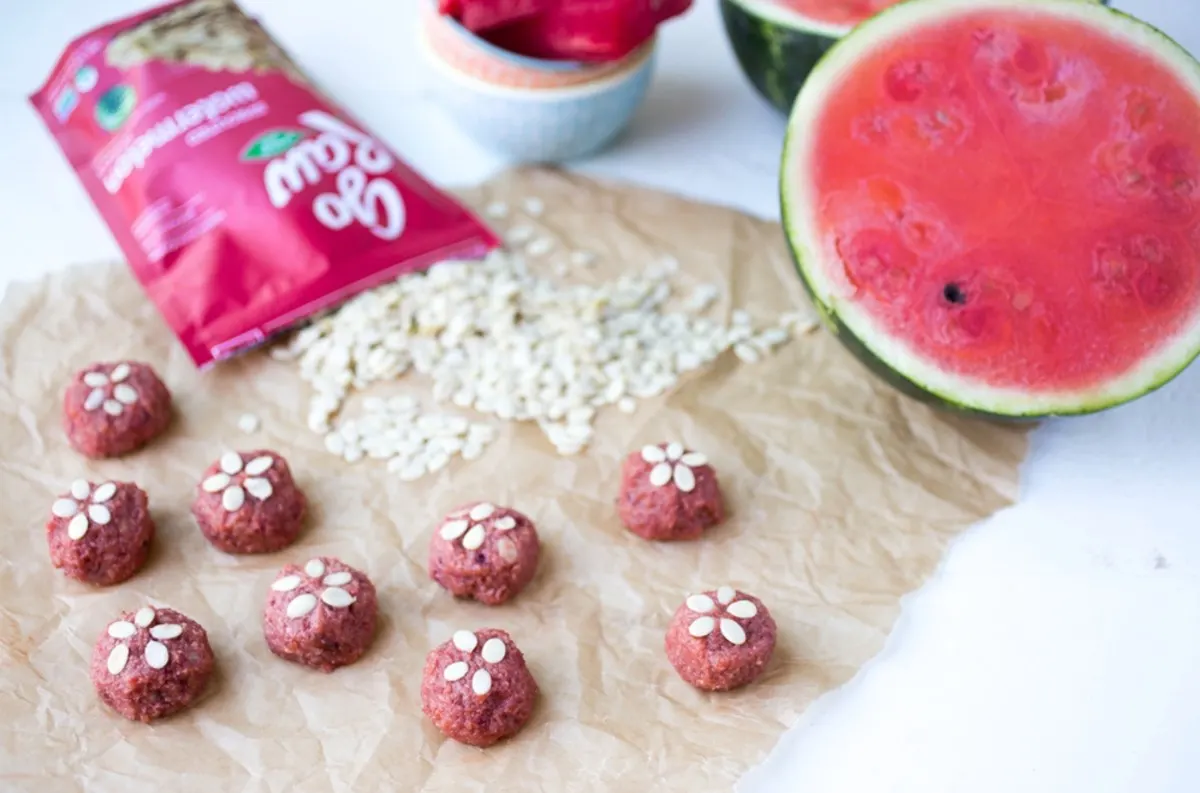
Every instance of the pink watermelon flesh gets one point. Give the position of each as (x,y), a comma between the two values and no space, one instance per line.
(836,12)
(1016,197)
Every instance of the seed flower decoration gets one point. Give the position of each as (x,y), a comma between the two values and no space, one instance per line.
(722,614)
(237,478)
(109,391)
(471,529)
(85,507)
(332,594)
(673,463)
(493,651)
(156,653)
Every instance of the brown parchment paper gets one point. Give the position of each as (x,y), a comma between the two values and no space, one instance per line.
(843,496)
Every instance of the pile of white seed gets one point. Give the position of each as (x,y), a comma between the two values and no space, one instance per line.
(492,336)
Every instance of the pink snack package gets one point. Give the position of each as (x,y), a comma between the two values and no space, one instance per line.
(244,199)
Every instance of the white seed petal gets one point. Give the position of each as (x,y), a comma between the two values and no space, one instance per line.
(685,480)
(113,408)
(123,392)
(104,493)
(507,523)
(494,650)
(660,474)
(701,604)
(233,498)
(694,459)
(465,641)
(725,594)
(95,399)
(286,584)
(215,483)
(99,514)
(507,550)
(474,538)
(259,488)
(156,655)
(119,372)
(653,454)
(674,451)
(260,465)
(122,629)
(481,682)
(456,671)
(301,605)
(64,508)
(701,627)
(315,568)
(452,530)
(481,511)
(117,659)
(231,463)
(167,630)
(96,379)
(733,632)
(742,609)
(337,579)
(80,489)
(144,616)
(336,597)
(78,527)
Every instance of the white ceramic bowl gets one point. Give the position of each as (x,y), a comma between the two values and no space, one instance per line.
(542,125)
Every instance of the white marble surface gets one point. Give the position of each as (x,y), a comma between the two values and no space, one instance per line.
(1058,648)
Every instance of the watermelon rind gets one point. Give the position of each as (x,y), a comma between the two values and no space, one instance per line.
(776,47)
(890,357)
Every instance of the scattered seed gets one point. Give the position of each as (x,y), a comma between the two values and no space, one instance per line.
(287,583)
(248,423)
(336,597)
(494,650)
(481,682)
(465,641)
(168,630)
(742,609)
(583,258)
(144,616)
(497,210)
(701,627)
(301,605)
(520,234)
(337,579)
(540,247)
(117,658)
(315,568)
(534,207)
(122,629)
(746,353)
(456,671)
(626,404)
(733,632)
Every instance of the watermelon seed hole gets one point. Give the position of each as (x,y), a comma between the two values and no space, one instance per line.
(954,294)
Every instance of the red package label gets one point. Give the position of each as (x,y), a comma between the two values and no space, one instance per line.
(243,198)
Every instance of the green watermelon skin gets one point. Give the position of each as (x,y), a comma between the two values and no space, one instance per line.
(775,58)
(862,351)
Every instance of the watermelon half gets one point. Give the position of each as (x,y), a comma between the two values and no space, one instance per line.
(777,42)
(996,203)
